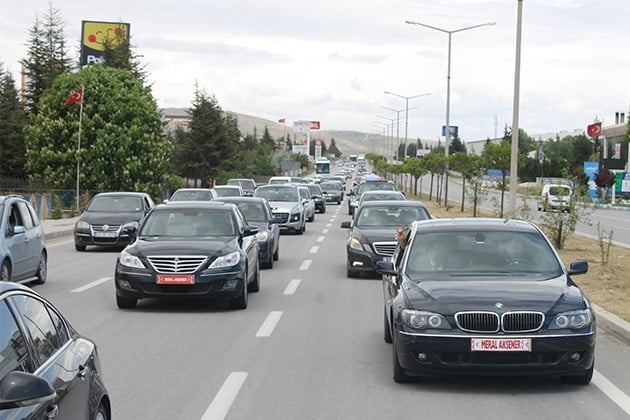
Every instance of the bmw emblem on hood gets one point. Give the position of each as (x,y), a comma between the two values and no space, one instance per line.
(498,305)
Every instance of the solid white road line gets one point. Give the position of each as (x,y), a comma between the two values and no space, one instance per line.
(90,285)
(219,407)
(314,250)
(614,393)
(305,265)
(266,329)
(292,287)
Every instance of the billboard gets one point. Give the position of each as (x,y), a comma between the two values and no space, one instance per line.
(95,35)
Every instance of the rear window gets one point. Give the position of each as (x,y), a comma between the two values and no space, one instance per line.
(559,190)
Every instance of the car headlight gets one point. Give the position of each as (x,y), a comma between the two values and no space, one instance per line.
(129,260)
(83,225)
(294,217)
(355,243)
(262,236)
(228,260)
(575,320)
(421,320)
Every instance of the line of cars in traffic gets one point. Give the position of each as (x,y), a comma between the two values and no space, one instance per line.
(470,296)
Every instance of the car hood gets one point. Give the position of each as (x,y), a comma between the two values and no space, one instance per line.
(112,218)
(172,246)
(284,206)
(450,296)
(377,234)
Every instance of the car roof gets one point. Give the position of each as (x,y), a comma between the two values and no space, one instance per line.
(207,204)
(241,199)
(193,189)
(8,286)
(121,193)
(393,203)
(474,223)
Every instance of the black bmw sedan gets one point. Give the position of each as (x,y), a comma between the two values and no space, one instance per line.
(485,297)
(47,368)
(190,249)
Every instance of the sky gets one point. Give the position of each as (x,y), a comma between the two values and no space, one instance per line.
(332,60)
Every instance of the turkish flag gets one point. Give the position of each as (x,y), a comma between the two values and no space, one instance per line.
(594,130)
(75,97)
(282,120)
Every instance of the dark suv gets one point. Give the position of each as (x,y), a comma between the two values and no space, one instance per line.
(364,186)
(102,222)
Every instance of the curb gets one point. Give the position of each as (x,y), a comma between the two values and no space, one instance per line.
(612,323)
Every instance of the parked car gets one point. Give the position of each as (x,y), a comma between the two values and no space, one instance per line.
(364,186)
(23,253)
(379,195)
(193,194)
(257,212)
(286,204)
(248,185)
(228,191)
(485,297)
(103,221)
(372,235)
(189,250)
(555,197)
(307,202)
(318,197)
(332,190)
(47,368)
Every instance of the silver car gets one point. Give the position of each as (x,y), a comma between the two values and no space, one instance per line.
(286,204)
(308,202)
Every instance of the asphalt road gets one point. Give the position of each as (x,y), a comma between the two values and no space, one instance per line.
(310,346)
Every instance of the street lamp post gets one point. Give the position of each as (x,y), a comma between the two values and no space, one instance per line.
(447,128)
(406,98)
(391,121)
(385,133)
(398,111)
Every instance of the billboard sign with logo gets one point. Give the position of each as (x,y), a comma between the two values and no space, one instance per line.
(96,35)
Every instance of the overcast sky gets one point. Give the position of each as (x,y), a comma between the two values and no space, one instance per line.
(332,60)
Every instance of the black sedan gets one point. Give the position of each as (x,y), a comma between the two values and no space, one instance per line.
(190,250)
(332,190)
(257,212)
(485,297)
(47,369)
(103,221)
(372,236)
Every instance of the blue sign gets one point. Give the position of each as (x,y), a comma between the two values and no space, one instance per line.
(453,129)
(590,169)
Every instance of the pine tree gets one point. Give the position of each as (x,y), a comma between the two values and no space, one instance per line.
(12,120)
(118,53)
(46,58)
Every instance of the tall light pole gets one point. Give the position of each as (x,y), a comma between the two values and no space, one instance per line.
(384,133)
(515,111)
(406,98)
(391,120)
(447,128)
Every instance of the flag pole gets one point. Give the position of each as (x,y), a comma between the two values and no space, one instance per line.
(79,145)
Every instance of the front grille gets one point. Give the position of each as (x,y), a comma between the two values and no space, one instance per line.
(509,322)
(517,322)
(483,322)
(101,228)
(384,248)
(283,216)
(181,264)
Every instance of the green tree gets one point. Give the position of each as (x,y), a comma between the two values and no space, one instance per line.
(333,150)
(416,168)
(46,57)
(121,145)
(497,156)
(118,53)
(456,146)
(12,119)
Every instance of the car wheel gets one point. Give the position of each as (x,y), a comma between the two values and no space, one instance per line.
(387,336)
(101,414)
(78,247)
(126,303)
(339,202)
(240,302)
(5,271)
(349,210)
(323,210)
(276,254)
(268,263)
(312,218)
(400,376)
(254,286)
(42,270)
(582,379)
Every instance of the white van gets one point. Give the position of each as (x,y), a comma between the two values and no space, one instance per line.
(555,196)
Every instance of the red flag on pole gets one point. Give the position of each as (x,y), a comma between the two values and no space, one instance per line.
(282,120)
(75,97)
(594,130)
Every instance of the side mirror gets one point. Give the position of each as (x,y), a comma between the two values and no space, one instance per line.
(386,268)
(19,389)
(346,225)
(276,220)
(578,267)
(250,230)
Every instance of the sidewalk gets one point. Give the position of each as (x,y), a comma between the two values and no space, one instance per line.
(57,228)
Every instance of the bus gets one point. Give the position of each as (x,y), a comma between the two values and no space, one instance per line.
(322,166)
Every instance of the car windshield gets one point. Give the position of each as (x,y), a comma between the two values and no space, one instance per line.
(559,190)
(191,195)
(390,216)
(278,194)
(227,192)
(315,190)
(115,204)
(370,186)
(243,183)
(188,223)
(253,212)
(330,186)
(486,255)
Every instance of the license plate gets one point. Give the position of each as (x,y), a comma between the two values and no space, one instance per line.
(175,279)
(105,234)
(501,344)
